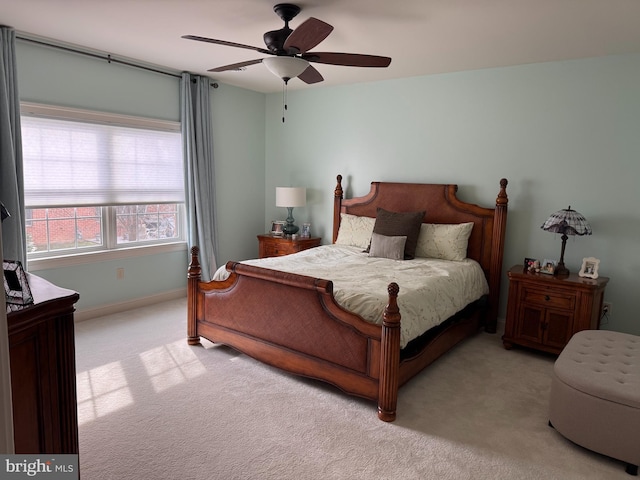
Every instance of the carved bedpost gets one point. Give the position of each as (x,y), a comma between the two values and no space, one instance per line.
(193,277)
(389,357)
(337,205)
(497,253)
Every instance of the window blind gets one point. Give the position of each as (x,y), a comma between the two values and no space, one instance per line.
(80,163)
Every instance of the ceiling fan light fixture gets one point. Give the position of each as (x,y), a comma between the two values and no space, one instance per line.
(285,67)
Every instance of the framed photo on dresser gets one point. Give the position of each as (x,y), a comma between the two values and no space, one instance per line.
(277,228)
(589,267)
(16,284)
(548,266)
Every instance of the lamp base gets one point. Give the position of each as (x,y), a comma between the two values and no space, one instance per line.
(290,229)
(561,270)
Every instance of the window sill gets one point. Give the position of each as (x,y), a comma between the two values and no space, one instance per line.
(102,256)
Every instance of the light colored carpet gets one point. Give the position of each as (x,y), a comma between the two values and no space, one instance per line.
(152,407)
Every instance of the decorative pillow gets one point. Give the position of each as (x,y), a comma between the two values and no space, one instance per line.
(355,231)
(383,246)
(395,224)
(444,241)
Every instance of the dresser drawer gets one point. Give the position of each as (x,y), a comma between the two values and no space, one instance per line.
(554,299)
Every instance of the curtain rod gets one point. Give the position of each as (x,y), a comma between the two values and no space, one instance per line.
(106,57)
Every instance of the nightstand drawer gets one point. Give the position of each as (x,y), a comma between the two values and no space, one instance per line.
(275,250)
(271,246)
(549,299)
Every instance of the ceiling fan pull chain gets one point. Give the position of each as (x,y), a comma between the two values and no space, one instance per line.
(284,100)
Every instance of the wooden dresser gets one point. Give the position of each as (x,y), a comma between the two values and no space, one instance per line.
(272,246)
(544,311)
(43,371)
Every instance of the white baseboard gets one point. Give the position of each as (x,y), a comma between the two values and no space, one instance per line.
(89,313)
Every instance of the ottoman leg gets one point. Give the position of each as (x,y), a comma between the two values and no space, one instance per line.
(632,469)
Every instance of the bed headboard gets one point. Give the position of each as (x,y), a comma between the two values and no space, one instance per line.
(439,201)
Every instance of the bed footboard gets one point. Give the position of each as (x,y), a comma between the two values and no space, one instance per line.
(308,334)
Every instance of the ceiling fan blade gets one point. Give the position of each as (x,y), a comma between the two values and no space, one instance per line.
(310,75)
(347,59)
(235,66)
(309,34)
(228,44)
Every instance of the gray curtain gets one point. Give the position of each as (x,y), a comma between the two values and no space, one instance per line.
(11,180)
(197,138)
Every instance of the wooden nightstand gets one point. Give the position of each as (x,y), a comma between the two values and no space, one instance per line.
(272,246)
(544,311)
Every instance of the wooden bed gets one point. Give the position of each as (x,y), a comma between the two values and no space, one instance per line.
(293,322)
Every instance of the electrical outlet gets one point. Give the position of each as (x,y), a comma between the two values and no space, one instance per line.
(120,273)
(606,309)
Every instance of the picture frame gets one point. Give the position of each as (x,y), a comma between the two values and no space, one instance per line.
(590,266)
(277,228)
(529,263)
(305,231)
(548,267)
(16,284)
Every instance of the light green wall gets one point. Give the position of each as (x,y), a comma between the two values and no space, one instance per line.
(51,76)
(562,133)
(239,139)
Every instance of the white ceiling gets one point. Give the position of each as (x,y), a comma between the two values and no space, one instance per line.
(421,36)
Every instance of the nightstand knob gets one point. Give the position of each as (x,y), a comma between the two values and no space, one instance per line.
(547,298)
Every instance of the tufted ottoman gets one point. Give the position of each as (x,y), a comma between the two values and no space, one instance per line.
(595,394)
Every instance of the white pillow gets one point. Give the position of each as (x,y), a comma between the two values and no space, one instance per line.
(383,246)
(355,231)
(444,241)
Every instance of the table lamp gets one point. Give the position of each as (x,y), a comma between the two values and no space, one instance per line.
(566,222)
(290,197)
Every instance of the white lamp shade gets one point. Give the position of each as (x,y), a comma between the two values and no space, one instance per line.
(291,196)
(286,67)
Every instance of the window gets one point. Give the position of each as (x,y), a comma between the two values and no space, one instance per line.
(96,181)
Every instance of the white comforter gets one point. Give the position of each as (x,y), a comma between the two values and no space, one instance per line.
(430,290)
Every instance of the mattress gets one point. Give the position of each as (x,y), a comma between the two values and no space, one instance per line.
(431,290)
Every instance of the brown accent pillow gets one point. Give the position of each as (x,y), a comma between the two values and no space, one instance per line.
(396,224)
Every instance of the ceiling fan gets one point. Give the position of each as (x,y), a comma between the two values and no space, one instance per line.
(289,49)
